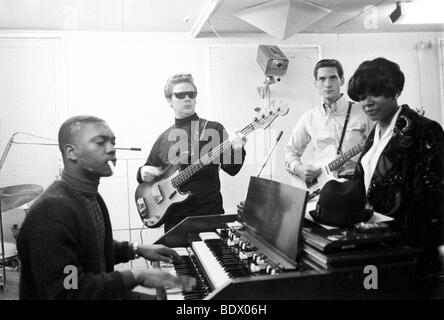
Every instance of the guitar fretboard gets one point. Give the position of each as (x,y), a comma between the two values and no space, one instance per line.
(187,173)
(344,157)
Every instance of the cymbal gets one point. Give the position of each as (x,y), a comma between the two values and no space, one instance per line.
(15,196)
(10,250)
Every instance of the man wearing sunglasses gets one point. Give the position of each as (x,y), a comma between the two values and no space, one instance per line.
(187,140)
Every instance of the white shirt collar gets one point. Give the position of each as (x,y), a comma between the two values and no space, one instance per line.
(391,127)
(334,107)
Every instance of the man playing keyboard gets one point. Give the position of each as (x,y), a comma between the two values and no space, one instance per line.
(65,244)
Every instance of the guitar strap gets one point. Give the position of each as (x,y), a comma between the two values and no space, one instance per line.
(199,130)
(202,127)
(347,117)
(198,134)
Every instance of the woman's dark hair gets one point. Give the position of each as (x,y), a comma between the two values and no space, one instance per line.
(378,77)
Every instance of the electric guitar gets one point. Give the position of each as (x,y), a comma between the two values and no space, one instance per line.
(328,169)
(155,199)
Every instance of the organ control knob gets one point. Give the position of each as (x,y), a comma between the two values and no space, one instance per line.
(257,267)
(222,232)
(245,255)
(242,256)
(260,260)
(271,270)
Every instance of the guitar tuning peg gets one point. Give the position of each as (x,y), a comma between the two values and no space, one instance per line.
(270,112)
(263,115)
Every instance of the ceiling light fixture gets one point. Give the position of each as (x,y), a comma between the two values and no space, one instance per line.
(282,18)
(421,12)
(394,16)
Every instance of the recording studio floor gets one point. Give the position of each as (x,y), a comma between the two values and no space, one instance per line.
(12,285)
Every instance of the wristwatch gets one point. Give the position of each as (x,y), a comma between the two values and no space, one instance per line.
(135,246)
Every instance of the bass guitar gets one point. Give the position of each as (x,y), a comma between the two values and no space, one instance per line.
(328,168)
(155,199)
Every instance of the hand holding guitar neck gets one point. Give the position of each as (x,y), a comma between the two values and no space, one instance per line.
(327,167)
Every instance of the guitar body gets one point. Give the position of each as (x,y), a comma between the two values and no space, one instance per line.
(316,184)
(155,199)
(327,156)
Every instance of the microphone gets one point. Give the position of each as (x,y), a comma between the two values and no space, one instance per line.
(269,154)
(130,149)
(56,144)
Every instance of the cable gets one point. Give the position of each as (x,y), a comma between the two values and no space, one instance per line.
(419,46)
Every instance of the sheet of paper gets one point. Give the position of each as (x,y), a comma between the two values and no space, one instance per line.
(379,217)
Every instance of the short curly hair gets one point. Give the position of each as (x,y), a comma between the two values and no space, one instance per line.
(378,77)
(175,79)
(68,128)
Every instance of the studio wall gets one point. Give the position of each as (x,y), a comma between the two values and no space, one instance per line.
(120,77)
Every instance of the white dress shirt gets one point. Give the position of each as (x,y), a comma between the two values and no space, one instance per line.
(370,159)
(322,125)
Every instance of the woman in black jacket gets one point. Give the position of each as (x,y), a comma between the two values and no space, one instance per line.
(402,165)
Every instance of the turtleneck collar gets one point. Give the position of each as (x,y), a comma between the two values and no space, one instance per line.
(183,121)
(83,186)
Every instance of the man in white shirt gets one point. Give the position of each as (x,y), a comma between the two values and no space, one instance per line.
(323,125)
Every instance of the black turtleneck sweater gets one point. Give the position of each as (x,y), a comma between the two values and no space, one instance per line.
(206,198)
(88,189)
(69,226)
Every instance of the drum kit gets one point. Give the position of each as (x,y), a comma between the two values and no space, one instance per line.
(13,197)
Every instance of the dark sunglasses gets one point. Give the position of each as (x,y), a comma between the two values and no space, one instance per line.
(181,95)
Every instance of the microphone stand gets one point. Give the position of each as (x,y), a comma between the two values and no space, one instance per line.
(269,153)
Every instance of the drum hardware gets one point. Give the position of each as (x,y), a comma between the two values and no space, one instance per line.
(13,197)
